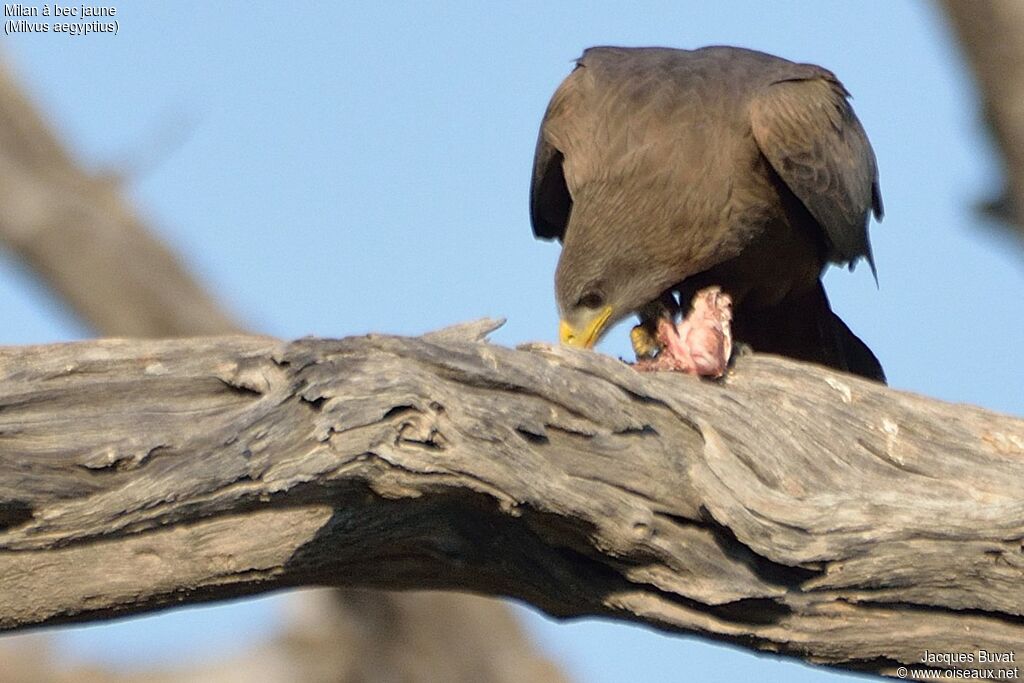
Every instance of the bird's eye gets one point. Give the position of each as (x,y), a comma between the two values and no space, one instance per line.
(591,300)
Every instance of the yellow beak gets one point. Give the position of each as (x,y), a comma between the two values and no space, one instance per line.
(587,337)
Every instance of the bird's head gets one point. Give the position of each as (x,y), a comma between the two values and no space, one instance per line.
(596,289)
(614,261)
(585,317)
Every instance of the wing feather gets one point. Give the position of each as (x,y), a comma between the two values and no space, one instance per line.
(807,130)
(550,199)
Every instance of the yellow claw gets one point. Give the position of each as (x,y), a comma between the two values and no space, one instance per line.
(645,345)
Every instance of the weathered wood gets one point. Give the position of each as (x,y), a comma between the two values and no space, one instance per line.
(788,508)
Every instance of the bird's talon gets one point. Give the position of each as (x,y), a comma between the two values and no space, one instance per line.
(645,345)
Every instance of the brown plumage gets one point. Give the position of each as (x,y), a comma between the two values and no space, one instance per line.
(665,171)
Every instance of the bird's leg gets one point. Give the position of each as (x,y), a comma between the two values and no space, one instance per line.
(645,335)
(702,343)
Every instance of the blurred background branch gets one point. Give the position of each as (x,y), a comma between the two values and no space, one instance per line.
(333,636)
(81,236)
(991,37)
(77,232)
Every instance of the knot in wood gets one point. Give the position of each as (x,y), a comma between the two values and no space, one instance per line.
(420,429)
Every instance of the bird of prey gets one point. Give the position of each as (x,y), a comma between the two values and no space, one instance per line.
(666,172)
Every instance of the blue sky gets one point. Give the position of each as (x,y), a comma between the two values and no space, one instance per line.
(337,168)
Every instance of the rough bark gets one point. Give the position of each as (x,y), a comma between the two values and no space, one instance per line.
(789,508)
(990,35)
(78,233)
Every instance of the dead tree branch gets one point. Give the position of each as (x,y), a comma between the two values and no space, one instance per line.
(790,509)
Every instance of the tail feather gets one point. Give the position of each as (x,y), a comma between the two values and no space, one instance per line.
(855,355)
(804,327)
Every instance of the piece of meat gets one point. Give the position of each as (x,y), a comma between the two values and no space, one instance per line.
(701,343)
